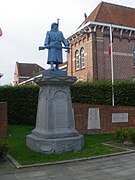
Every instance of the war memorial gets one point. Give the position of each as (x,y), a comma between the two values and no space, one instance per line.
(55,128)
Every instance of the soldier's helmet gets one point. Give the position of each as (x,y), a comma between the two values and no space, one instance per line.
(54,25)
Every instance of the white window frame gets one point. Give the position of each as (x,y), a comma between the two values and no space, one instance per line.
(77,60)
(82,58)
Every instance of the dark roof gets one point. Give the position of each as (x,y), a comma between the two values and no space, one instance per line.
(28,69)
(113,14)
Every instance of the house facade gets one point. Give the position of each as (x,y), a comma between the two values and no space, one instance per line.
(89,58)
(25,71)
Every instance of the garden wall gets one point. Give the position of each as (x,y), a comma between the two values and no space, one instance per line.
(102,118)
(3,119)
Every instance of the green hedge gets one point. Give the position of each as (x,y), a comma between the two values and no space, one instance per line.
(22,100)
(22,103)
(125,93)
(100,92)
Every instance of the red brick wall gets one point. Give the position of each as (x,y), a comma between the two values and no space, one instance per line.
(81,118)
(3,119)
(97,61)
(122,57)
(87,72)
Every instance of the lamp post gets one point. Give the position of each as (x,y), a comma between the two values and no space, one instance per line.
(112,65)
(1,75)
(0,32)
(1,35)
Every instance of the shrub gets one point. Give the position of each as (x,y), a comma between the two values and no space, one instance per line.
(4,148)
(98,92)
(22,100)
(123,133)
(22,103)
(124,93)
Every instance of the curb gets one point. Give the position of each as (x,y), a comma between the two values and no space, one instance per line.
(19,166)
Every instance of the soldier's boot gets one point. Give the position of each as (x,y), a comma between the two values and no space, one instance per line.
(57,66)
(52,67)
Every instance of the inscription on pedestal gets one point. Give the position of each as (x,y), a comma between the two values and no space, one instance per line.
(119,117)
(93,119)
(60,109)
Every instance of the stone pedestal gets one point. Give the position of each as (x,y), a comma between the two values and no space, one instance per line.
(55,130)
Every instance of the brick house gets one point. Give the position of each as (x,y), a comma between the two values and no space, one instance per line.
(25,71)
(89,59)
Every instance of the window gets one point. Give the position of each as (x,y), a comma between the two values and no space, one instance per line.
(82,63)
(77,59)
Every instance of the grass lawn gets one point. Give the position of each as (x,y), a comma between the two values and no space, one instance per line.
(19,150)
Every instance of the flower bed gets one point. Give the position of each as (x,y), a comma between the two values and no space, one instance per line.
(126,135)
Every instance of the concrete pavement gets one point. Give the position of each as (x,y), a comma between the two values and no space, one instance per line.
(121,167)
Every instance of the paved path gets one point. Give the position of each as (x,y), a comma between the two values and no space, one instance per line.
(121,167)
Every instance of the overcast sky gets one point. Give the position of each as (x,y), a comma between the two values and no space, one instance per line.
(24,24)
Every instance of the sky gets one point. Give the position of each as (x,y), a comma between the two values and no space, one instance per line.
(25,22)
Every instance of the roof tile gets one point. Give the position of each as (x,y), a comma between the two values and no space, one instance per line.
(113,14)
(28,69)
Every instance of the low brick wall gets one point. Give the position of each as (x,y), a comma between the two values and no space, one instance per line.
(105,113)
(3,119)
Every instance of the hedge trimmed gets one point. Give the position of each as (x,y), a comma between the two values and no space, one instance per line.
(125,93)
(22,103)
(22,100)
(100,92)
